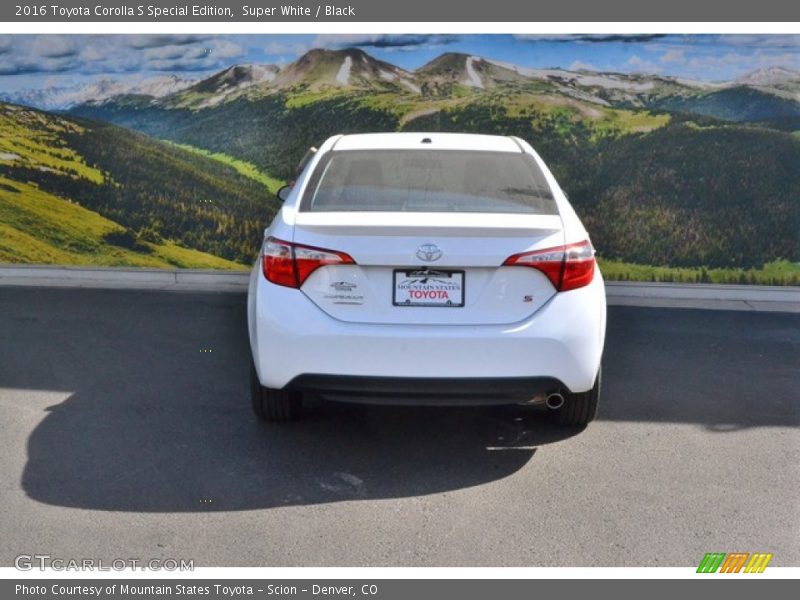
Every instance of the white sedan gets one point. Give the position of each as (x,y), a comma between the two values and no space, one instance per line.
(427,269)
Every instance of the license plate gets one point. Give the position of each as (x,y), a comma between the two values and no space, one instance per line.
(428,287)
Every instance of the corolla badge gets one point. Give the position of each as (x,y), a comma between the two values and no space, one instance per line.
(429,252)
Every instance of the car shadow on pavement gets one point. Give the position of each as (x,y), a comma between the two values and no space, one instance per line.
(158,418)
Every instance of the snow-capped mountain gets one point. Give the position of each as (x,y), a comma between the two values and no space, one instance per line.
(351,67)
(770,76)
(225,84)
(453,68)
(62,98)
(447,75)
(161,86)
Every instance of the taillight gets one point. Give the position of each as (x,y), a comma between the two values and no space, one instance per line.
(567,267)
(288,264)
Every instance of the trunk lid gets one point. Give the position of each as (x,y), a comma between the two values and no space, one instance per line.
(472,244)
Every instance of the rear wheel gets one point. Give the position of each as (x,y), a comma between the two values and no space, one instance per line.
(581,408)
(270,404)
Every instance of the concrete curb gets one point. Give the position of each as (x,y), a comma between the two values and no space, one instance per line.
(124,278)
(703,295)
(623,293)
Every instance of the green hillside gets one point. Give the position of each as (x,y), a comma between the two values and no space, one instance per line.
(653,188)
(666,173)
(676,180)
(79,192)
(715,196)
(733,104)
(41,228)
(242,167)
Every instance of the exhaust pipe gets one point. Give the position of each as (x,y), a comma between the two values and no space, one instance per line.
(537,400)
(554,401)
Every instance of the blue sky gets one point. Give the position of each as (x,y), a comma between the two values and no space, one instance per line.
(36,61)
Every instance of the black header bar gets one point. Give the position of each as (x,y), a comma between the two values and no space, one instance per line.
(442,11)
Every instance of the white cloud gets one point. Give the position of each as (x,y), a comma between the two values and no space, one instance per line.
(787,41)
(640,65)
(276,48)
(53,46)
(92,54)
(676,55)
(197,56)
(727,59)
(597,38)
(385,42)
(165,53)
(224,49)
(198,52)
(142,42)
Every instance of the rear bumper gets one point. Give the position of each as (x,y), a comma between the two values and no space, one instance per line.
(292,339)
(425,391)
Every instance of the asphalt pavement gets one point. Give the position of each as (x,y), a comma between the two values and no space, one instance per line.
(126,431)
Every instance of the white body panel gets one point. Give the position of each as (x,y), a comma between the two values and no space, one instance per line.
(291,336)
(491,296)
(498,333)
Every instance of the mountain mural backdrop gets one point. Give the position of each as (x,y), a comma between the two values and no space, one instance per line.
(676,179)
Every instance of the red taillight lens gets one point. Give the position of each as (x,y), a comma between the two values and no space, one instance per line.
(288,264)
(278,263)
(567,267)
(578,266)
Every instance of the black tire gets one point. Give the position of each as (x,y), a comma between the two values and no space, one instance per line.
(580,409)
(273,405)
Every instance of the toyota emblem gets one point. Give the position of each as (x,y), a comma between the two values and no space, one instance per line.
(429,252)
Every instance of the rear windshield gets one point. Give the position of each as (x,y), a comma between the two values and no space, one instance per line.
(429,181)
